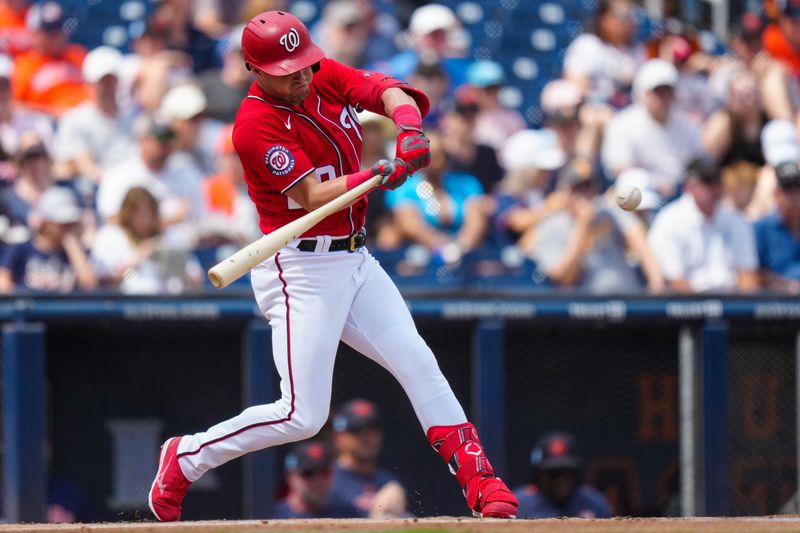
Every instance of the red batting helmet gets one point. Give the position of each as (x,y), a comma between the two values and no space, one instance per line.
(279,44)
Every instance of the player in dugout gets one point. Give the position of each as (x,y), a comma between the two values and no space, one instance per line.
(299,141)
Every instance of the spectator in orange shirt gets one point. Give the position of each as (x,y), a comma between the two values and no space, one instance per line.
(48,77)
(782,39)
(227,203)
(15,36)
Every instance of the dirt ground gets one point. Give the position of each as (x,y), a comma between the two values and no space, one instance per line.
(432,525)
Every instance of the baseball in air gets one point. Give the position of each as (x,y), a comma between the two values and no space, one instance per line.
(628,197)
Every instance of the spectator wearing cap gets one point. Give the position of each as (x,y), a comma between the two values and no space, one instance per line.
(226,87)
(48,77)
(733,133)
(358,21)
(435,34)
(308,474)
(343,31)
(780,143)
(778,235)
(33,179)
(183,109)
(652,134)
(464,153)
(494,123)
(228,205)
(15,119)
(530,157)
(583,243)
(440,209)
(603,62)
(702,245)
(15,36)
(430,77)
(96,135)
(358,480)
(556,488)
(176,183)
(53,260)
(578,125)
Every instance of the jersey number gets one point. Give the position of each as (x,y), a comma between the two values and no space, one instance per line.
(323,174)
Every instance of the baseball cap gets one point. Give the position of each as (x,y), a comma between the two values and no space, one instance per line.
(309,456)
(146,126)
(431,17)
(182,102)
(655,73)
(779,142)
(354,415)
(703,171)
(532,148)
(788,174)
(556,450)
(47,16)
(343,12)
(6,66)
(561,98)
(643,180)
(100,62)
(485,73)
(59,205)
(578,171)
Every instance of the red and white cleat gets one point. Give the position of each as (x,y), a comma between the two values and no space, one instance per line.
(494,499)
(170,485)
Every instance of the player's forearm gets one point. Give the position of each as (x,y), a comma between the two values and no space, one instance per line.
(394,97)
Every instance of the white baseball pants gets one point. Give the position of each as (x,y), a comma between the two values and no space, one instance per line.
(312,300)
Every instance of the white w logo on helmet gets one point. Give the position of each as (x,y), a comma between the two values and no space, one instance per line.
(290,40)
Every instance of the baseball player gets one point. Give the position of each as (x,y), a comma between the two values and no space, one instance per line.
(299,141)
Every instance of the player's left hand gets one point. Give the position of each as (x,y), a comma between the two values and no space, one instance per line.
(413,147)
(396,178)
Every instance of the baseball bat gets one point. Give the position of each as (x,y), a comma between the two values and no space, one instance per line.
(237,265)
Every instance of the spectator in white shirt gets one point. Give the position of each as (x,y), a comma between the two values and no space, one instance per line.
(96,135)
(173,181)
(702,245)
(652,134)
(494,123)
(603,62)
(183,110)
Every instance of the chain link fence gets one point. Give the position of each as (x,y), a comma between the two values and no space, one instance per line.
(762,407)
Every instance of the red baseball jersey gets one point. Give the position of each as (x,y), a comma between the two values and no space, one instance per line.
(280,144)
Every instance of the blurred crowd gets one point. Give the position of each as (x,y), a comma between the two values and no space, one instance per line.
(117,170)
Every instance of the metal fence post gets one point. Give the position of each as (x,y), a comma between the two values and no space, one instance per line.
(489,386)
(687,385)
(715,418)
(24,481)
(258,380)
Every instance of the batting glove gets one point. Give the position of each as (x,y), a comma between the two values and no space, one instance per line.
(413,147)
